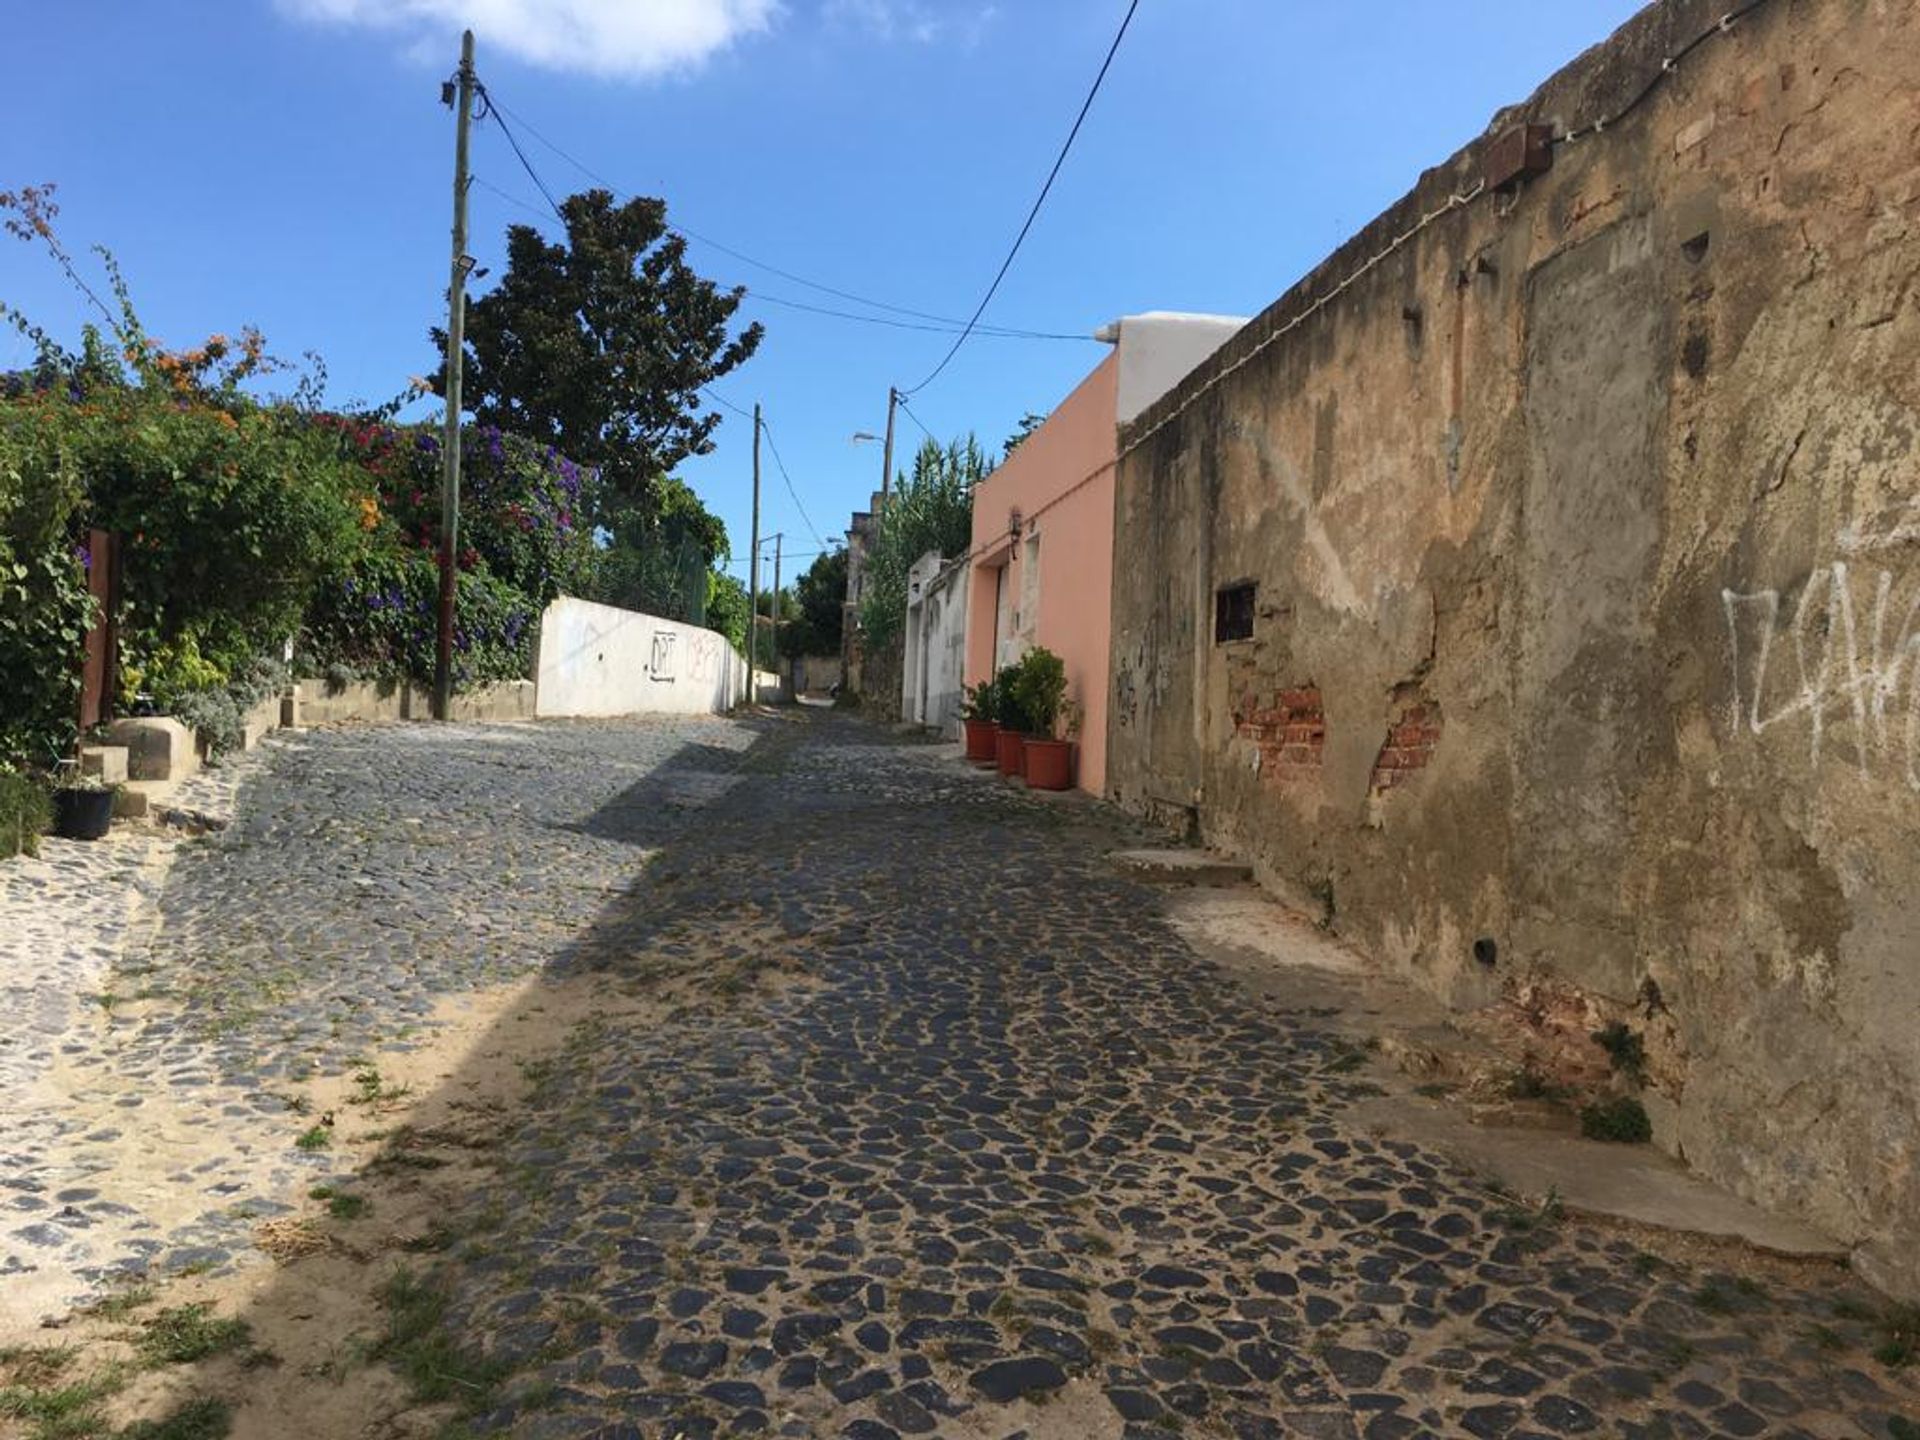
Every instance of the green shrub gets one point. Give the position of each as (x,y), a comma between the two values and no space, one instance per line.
(1625,1049)
(1620,1118)
(1040,690)
(1012,714)
(381,619)
(44,605)
(26,811)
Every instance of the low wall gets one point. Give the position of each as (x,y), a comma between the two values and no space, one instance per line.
(598,660)
(815,674)
(382,701)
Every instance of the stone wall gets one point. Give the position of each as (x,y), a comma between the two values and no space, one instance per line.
(1583,523)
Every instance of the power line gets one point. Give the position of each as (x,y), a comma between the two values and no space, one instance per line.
(489,107)
(722,400)
(918,421)
(1011,332)
(1039,200)
(761,295)
(767,430)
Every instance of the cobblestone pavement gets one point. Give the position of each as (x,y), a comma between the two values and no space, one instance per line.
(147,1050)
(1015,1162)
(948,1132)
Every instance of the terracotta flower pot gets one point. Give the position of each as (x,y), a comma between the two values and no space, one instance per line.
(1049,764)
(980,739)
(1007,746)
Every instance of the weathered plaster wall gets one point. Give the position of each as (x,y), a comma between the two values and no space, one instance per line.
(936,637)
(1586,534)
(599,660)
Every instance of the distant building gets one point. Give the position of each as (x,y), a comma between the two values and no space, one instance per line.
(859,534)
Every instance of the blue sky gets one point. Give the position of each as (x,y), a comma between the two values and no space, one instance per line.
(286,163)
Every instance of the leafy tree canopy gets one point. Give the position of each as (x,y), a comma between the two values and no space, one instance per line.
(598,345)
(930,509)
(820,595)
(1029,422)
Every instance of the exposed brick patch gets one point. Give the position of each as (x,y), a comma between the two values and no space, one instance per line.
(1412,733)
(1291,733)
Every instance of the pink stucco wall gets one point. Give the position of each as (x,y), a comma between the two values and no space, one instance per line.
(1061,482)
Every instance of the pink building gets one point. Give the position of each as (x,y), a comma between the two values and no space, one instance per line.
(1043,522)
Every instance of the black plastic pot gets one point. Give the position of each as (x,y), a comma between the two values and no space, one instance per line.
(82,814)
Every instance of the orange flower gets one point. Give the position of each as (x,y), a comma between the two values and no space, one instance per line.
(369,512)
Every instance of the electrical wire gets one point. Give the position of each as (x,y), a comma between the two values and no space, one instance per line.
(901,401)
(763,296)
(767,430)
(952,324)
(1185,399)
(1039,200)
(725,403)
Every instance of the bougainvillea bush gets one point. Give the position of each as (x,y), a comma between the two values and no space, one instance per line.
(521,544)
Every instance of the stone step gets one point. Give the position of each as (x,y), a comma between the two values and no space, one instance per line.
(138,799)
(158,747)
(1182,867)
(105,762)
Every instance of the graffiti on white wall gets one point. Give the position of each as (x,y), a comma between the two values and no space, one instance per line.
(1842,660)
(660,663)
(706,657)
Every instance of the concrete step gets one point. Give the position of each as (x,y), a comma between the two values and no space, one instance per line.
(105,762)
(139,799)
(158,747)
(1182,867)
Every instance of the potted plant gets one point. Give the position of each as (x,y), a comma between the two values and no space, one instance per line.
(980,717)
(1042,689)
(82,804)
(1007,739)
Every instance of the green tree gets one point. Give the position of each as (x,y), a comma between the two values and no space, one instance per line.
(727,607)
(1029,422)
(930,509)
(819,596)
(598,345)
(657,558)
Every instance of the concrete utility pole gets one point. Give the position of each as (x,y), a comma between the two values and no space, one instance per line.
(886,459)
(753,566)
(778,535)
(456,343)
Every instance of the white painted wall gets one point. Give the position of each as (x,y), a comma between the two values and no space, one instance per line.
(1160,349)
(598,660)
(931,686)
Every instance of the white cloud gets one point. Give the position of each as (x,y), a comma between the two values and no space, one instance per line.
(619,39)
(915,20)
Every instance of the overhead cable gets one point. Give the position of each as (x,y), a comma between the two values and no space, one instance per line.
(1039,200)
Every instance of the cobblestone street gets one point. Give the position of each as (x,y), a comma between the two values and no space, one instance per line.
(895,1111)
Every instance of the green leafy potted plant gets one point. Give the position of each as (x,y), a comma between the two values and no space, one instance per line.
(1042,690)
(26,811)
(980,718)
(1012,718)
(82,804)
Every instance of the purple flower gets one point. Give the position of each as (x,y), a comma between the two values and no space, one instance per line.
(85,557)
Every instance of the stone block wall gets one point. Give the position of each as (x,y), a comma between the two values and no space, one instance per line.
(1582,522)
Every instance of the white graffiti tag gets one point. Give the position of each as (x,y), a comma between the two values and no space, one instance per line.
(1853,673)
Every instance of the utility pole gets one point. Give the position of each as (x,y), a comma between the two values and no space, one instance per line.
(886,459)
(753,566)
(778,535)
(456,343)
